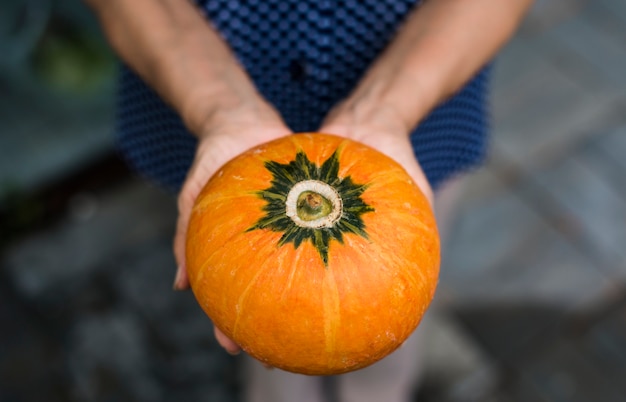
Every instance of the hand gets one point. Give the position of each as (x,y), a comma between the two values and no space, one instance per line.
(381,129)
(224,137)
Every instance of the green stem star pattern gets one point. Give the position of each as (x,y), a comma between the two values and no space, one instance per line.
(285,176)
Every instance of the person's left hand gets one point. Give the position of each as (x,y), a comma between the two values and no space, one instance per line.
(382,130)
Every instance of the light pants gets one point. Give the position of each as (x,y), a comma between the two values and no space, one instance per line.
(393,379)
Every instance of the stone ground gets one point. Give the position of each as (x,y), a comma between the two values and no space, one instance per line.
(532,299)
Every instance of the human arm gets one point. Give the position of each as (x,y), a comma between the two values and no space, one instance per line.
(176,52)
(442,44)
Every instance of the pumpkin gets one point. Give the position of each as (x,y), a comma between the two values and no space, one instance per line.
(316,254)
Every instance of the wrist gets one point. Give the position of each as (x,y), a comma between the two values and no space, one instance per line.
(244,120)
(362,116)
(411,103)
(381,101)
(210,106)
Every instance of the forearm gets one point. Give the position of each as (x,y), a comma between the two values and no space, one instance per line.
(171,46)
(440,47)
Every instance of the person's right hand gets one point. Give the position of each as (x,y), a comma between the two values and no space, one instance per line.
(226,135)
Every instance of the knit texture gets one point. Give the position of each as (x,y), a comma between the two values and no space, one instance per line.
(304,57)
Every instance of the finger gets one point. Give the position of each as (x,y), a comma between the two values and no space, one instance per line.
(181,281)
(185,205)
(228,344)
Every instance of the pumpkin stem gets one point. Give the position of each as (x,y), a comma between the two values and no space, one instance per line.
(314,201)
(313,204)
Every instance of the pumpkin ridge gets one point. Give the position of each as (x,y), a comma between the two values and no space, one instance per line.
(347,167)
(403,215)
(206,201)
(417,276)
(244,295)
(332,315)
(385,178)
(292,274)
(207,260)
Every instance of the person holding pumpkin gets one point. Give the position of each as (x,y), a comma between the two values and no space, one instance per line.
(208,81)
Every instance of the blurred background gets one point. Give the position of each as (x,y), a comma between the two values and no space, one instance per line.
(532,299)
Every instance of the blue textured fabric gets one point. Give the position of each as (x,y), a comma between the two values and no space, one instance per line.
(304,57)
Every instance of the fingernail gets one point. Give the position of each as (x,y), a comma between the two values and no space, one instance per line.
(177,279)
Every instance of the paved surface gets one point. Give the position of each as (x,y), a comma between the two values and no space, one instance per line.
(535,269)
(532,301)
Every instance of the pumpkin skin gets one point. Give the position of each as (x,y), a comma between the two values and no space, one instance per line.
(307,305)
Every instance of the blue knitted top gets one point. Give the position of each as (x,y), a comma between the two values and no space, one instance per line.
(304,56)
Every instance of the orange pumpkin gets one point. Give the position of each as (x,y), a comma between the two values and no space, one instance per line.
(315,253)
